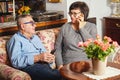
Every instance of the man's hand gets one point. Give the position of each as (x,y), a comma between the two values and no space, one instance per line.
(47,57)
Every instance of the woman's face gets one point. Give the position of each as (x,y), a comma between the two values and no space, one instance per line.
(75,15)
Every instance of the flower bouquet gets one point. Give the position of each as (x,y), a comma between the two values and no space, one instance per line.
(24,10)
(98,50)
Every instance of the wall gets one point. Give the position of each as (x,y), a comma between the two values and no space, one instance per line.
(98,9)
(62,6)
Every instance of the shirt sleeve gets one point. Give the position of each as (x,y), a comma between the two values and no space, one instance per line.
(18,59)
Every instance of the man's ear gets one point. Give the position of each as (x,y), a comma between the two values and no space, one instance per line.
(22,26)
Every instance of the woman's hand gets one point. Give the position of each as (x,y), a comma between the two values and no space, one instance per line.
(60,67)
(80,21)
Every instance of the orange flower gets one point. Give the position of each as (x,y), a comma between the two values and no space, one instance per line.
(115,43)
(108,39)
(80,44)
(86,44)
(104,47)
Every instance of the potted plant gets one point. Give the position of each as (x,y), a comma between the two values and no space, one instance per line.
(98,50)
(24,10)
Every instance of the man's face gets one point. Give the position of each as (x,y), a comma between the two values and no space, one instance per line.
(28,26)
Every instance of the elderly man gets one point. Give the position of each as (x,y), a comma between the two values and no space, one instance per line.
(27,53)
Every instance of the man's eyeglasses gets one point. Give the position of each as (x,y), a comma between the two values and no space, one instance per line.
(31,22)
(73,13)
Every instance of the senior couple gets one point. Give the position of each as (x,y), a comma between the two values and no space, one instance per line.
(27,53)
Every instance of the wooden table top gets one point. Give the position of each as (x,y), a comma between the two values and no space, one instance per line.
(70,75)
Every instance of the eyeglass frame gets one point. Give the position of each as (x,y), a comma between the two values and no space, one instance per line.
(74,14)
(30,22)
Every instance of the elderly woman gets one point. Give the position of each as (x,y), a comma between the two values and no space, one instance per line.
(66,47)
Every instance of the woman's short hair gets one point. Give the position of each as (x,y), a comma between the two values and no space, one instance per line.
(82,6)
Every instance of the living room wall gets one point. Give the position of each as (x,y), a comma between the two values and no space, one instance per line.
(98,9)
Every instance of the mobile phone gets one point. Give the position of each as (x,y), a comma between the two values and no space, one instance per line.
(53,51)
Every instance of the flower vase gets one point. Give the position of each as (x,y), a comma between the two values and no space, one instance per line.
(99,66)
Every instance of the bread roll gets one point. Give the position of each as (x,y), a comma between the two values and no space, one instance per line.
(80,66)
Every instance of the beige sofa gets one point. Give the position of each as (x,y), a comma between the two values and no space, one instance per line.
(48,37)
(7,72)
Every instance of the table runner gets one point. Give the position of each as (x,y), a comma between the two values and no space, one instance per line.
(110,72)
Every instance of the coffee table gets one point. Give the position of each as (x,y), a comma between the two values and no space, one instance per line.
(70,75)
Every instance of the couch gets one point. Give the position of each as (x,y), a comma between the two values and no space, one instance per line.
(7,72)
(48,37)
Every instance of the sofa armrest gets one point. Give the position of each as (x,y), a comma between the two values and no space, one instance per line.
(9,73)
(117,57)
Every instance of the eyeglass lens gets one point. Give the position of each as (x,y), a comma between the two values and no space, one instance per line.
(31,22)
(74,14)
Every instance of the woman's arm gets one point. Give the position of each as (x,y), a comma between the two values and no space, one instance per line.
(58,49)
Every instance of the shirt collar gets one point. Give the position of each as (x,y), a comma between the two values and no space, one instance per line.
(24,36)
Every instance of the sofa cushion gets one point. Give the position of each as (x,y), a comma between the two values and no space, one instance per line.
(117,57)
(3,54)
(2,51)
(9,73)
(48,38)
